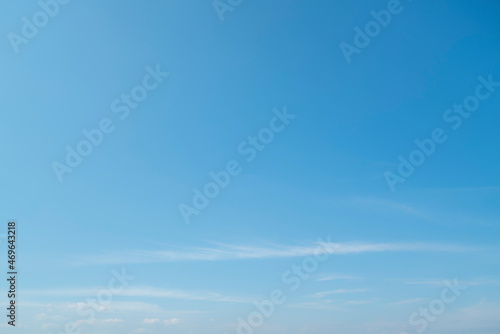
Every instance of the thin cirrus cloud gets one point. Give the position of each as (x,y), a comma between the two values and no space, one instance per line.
(326,305)
(360,302)
(335,292)
(234,252)
(379,204)
(59,311)
(408,301)
(148,292)
(151,321)
(475,282)
(337,277)
(330,305)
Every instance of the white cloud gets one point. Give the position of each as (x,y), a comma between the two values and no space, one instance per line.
(150,292)
(334,292)
(432,283)
(185,295)
(360,302)
(235,252)
(474,282)
(45,317)
(112,321)
(95,321)
(317,305)
(379,204)
(409,301)
(173,321)
(337,277)
(151,321)
(465,189)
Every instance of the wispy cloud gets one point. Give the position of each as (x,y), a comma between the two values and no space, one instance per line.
(170,322)
(473,282)
(431,283)
(55,312)
(464,189)
(360,302)
(95,321)
(147,292)
(235,252)
(335,292)
(379,204)
(331,305)
(150,321)
(337,277)
(317,305)
(409,301)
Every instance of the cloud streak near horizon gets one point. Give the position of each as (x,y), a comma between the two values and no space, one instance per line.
(234,252)
(148,292)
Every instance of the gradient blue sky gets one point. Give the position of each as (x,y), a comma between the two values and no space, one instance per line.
(322,176)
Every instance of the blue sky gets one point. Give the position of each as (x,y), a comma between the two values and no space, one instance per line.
(319,183)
